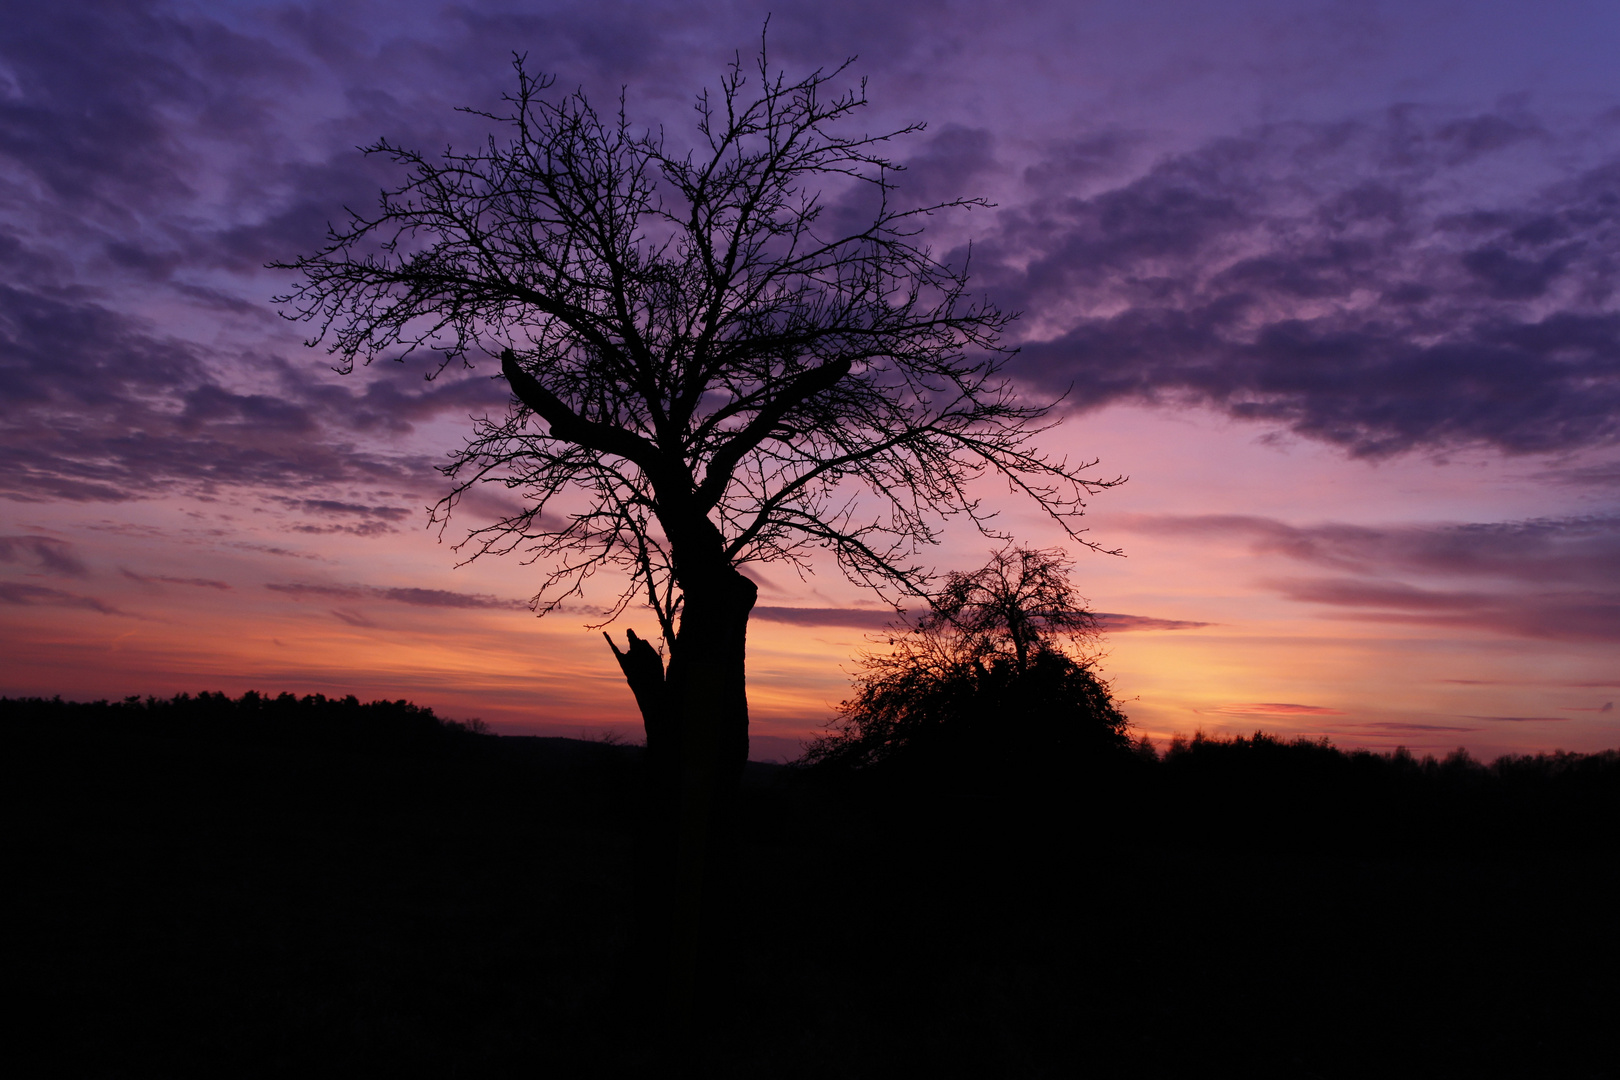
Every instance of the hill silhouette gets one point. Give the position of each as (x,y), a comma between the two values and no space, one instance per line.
(267,886)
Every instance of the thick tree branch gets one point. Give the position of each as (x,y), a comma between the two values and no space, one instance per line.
(569,425)
(724,460)
(725,376)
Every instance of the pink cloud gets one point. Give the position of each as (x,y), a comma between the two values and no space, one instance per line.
(1276,708)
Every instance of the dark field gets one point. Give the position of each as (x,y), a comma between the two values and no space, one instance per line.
(382,894)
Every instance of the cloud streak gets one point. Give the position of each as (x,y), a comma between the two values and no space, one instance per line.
(433,598)
(854,618)
(1275,708)
(50,554)
(1546,578)
(869,619)
(160,579)
(22,594)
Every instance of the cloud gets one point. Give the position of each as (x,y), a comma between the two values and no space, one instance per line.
(335,507)
(439,598)
(949,163)
(1576,550)
(149,154)
(63,351)
(1114,623)
(379,520)
(1546,578)
(1327,278)
(365,528)
(1317,276)
(1070,165)
(96,405)
(353,618)
(1274,708)
(1391,725)
(300,591)
(1522,719)
(24,595)
(95,97)
(200,583)
(1520,682)
(386,403)
(1562,616)
(1604,475)
(1359,592)
(53,555)
(281,552)
(855,618)
(445,598)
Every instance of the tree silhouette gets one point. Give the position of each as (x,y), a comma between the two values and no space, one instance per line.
(998,674)
(1020,600)
(729,352)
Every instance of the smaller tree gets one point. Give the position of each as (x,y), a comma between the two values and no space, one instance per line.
(1001,671)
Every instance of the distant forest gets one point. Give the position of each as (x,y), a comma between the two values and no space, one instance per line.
(1249,791)
(272,886)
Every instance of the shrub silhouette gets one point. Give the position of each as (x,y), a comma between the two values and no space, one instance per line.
(973,714)
(992,688)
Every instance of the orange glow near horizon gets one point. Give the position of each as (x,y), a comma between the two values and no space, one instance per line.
(176,596)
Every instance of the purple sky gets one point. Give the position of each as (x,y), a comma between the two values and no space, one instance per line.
(1333,283)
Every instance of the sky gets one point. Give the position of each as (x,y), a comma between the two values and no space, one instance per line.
(1332,284)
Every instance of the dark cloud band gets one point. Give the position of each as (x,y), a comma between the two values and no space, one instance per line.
(1326,278)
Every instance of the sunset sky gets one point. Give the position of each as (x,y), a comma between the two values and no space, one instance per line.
(1333,284)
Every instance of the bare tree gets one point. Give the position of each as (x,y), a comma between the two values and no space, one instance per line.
(709,368)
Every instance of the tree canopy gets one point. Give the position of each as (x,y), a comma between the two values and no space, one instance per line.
(736,350)
(1000,670)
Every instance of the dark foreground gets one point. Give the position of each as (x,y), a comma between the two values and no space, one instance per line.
(400,898)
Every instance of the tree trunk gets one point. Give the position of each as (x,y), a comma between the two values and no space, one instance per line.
(656,819)
(696,718)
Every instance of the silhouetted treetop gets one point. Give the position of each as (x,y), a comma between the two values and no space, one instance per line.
(992,676)
(701,340)
(1019,604)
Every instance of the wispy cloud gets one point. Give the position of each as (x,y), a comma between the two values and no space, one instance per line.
(1359,592)
(1393,725)
(855,618)
(26,595)
(1584,549)
(1275,708)
(1555,616)
(1548,578)
(161,579)
(440,598)
(49,553)
(1115,623)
